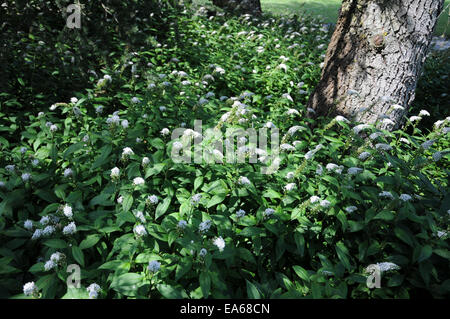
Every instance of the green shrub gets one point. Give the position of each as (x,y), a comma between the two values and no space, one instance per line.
(252,237)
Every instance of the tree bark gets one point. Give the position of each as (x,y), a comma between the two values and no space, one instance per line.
(241,6)
(374,59)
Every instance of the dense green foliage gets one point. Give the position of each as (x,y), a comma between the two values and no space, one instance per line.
(43,60)
(313,238)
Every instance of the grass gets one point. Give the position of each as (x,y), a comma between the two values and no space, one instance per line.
(328,9)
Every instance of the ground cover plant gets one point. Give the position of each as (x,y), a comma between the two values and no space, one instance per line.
(87,175)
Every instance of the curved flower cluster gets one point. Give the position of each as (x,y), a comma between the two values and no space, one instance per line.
(30,289)
(93,290)
(203,227)
(154,266)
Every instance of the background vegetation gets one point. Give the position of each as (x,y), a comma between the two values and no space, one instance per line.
(329,10)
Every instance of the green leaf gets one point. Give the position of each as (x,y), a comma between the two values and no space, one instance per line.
(125,217)
(170,292)
(316,290)
(280,248)
(90,241)
(198,182)
(270,193)
(444,253)
(300,243)
(78,255)
(425,253)
(50,208)
(355,225)
(5,209)
(144,258)
(426,182)
(385,215)
(251,231)
(55,243)
(205,283)
(252,291)
(343,254)
(36,268)
(333,181)
(182,269)
(157,143)
(73,148)
(335,141)
(404,236)
(156,169)
(301,272)
(216,199)
(296,212)
(7,269)
(102,200)
(246,255)
(284,281)
(343,219)
(74,196)
(46,195)
(133,170)
(386,180)
(103,157)
(109,229)
(53,152)
(425,269)
(59,192)
(127,284)
(396,280)
(111,265)
(173,235)
(127,202)
(162,207)
(48,284)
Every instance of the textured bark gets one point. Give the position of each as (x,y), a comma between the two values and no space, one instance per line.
(240,6)
(374,59)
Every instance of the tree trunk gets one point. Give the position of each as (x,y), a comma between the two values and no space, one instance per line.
(374,59)
(241,6)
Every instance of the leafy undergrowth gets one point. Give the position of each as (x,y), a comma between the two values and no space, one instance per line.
(92,181)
